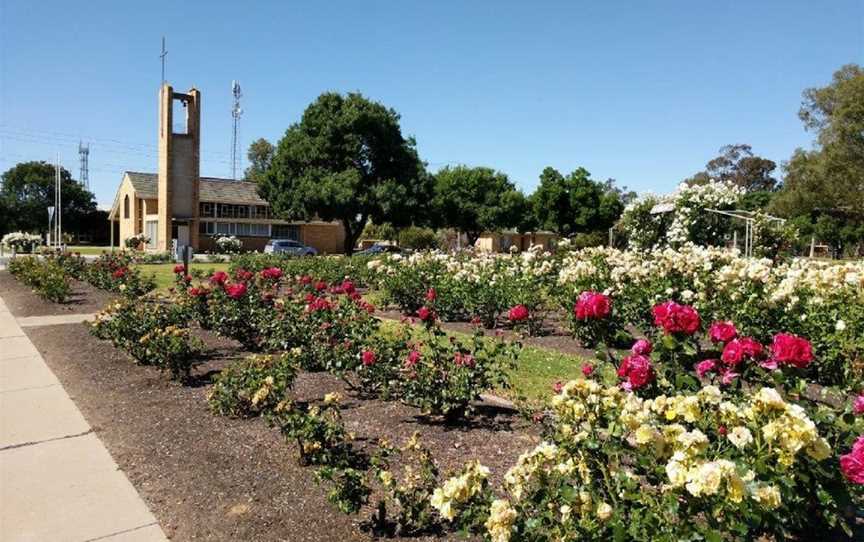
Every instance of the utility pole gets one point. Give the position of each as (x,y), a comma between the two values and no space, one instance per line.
(236,112)
(57,202)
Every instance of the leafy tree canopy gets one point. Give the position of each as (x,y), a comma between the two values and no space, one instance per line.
(477,199)
(347,160)
(737,164)
(575,203)
(260,155)
(27,191)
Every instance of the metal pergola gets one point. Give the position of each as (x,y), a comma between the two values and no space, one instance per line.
(749,217)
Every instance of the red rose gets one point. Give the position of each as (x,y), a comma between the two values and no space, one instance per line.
(752,348)
(637,370)
(852,464)
(320,285)
(722,332)
(518,313)
(412,359)
(219,278)
(425,314)
(368,357)
(587,369)
(348,287)
(592,306)
(318,304)
(197,292)
(179,268)
(675,318)
(243,275)
(789,349)
(120,273)
(236,290)
(271,273)
(305,279)
(431,294)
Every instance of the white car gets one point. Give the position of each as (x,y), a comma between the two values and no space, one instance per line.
(288,247)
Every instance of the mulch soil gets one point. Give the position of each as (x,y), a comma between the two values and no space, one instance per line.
(207,477)
(22,301)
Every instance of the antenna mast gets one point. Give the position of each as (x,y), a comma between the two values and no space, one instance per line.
(236,112)
(84,155)
(162,56)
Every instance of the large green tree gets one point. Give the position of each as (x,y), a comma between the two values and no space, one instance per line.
(260,155)
(473,200)
(27,191)
(347,160)
(827,182)
(575,203)
(738,165)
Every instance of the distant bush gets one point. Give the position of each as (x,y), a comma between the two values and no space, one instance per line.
(45,276)
(418,238)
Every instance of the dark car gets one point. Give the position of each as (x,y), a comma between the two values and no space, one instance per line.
(378,249)
(289,246)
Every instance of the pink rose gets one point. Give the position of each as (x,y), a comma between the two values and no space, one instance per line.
(463,360)
(789,349)
(587,369)
(348,287)
(642,347)
(852,464)
(557,387)
(431,294)
(722,332)
(733,353)
(706,366)
(236,290)
(368,357)
(751,347)
(727,376)
(518,313)
(858,405)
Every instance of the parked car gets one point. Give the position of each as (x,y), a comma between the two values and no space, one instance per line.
(377,250)
(289,247)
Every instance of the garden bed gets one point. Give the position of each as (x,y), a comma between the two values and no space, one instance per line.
(22,302)
(210,477)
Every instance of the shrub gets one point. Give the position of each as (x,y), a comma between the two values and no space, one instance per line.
(253,385)
(228,245)
(417,238)
(45,276)
(136,242)
(172,349)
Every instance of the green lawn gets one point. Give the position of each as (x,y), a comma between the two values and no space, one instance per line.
(164,272)
(537,369)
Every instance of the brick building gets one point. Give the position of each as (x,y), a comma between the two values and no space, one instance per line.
(177,204)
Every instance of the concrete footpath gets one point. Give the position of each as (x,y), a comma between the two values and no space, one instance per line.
(57,480)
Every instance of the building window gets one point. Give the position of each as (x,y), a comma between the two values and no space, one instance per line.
(206,209)
(240,229)
(261,212)
(126,206)
(229,210)
(286,231)
(151,230)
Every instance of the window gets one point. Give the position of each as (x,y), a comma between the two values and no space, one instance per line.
(241,229)
(261,212)
(206,209)
(151,230)
(229,210)
(126,206)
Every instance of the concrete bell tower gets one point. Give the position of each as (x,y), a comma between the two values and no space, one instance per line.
(179,167)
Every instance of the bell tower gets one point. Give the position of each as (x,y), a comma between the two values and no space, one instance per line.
(179,167)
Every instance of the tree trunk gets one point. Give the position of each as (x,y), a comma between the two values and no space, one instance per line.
(349,238)
(472,237)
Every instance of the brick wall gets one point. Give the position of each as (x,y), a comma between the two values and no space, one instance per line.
(325,238)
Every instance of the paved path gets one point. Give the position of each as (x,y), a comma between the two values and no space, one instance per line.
(57,480)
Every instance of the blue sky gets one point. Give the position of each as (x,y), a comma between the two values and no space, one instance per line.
(645,92)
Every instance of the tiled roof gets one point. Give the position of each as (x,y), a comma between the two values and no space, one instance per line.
(211,189)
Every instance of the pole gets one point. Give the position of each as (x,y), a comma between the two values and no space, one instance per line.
(59,206)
